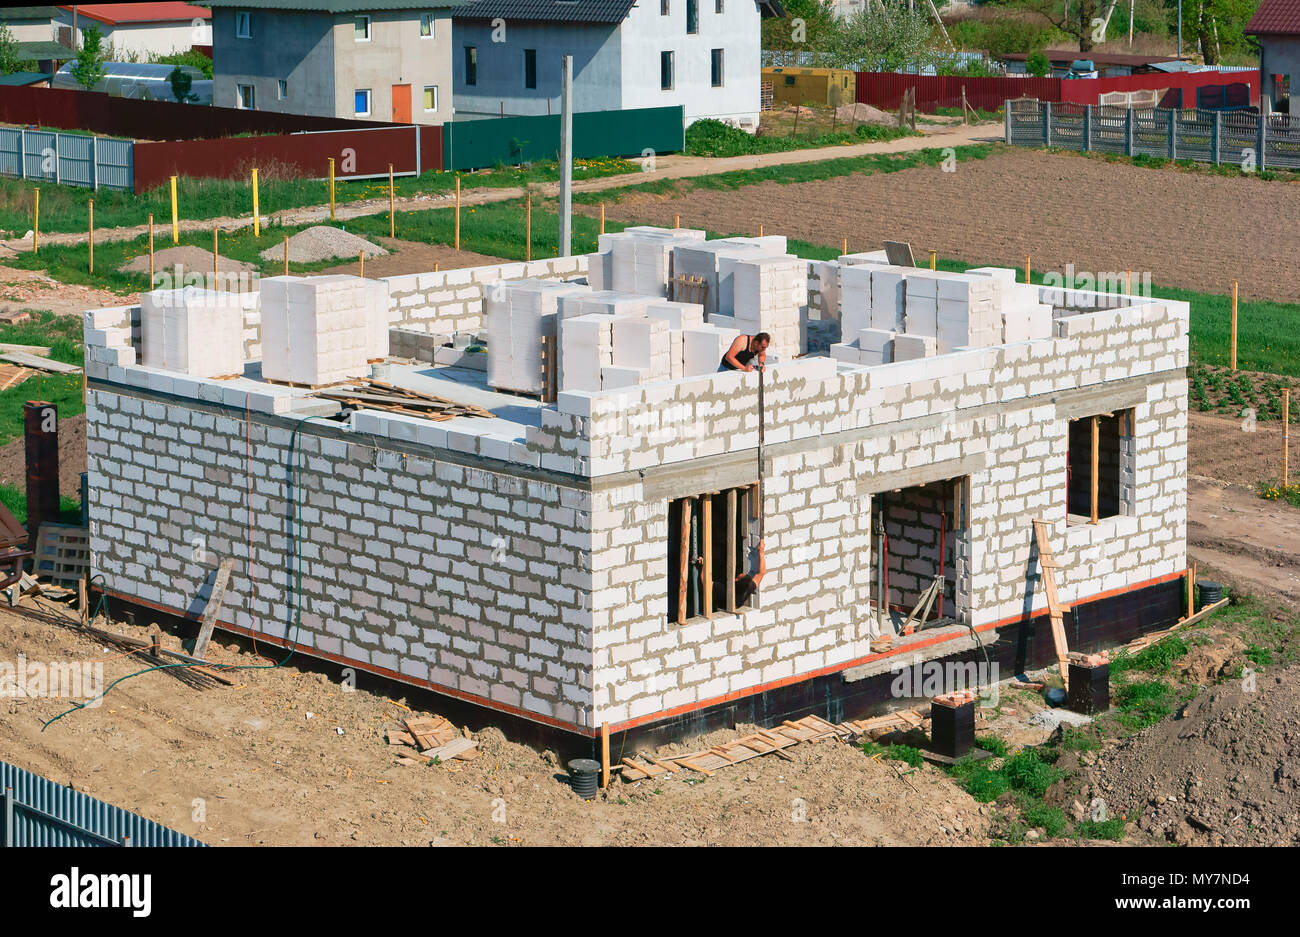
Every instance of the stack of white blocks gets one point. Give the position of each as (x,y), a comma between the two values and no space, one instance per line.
(316,330)
(703,348)
(644,346)
(520,314)
(194,331)
(636,259)
(703,260)
(586,350)
(1024,318)
(679,316)
(769,294)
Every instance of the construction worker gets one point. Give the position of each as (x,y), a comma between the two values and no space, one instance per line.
(746,584)
(744,350)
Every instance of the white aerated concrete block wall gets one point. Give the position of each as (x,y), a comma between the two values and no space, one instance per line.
(521,314)
(703,348)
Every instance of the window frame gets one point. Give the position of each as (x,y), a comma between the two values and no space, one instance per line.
(692,17)
(1125,457)
(669,59)
(370,102)
(428,19)
(530,59)
(470,64)
(717,68)
(706,564)
(251,104)
(244,18)
(356,21)
(427,89)
(282,89)
(665,8)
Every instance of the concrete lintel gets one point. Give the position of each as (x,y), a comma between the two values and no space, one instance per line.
(922,474)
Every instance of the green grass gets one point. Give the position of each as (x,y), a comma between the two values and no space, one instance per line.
(1112,829)
(1156,658)
(1027,772)
(1274,490)
(16,501)
(63,336)
(905,753)
(716,139)
(1143,703)
(64,209)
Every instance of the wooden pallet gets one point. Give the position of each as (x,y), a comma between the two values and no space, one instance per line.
(301,386)
(11,375)
(62,554)
(710,760)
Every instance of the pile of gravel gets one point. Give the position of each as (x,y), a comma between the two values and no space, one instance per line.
(188,257)
(323,243)
(863,114)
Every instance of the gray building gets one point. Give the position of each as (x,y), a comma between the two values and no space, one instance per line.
(1276,24)
(373,59)
(701,54)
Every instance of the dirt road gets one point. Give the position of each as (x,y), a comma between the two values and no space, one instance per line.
(665,167)
(1188,229)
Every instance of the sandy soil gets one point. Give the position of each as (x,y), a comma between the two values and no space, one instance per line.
(72,457)
(30,289)
(1018,202)
(415,257)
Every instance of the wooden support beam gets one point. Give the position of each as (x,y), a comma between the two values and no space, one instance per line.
(730,584)
(1096,461)
(706,524)
(684,560)
(213,609)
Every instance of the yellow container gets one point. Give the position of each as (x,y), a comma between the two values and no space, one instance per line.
(819,87)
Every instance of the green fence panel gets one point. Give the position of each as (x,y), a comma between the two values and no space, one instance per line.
(477,144)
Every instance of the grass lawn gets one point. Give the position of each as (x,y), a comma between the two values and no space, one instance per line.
(779,131)
(63,208)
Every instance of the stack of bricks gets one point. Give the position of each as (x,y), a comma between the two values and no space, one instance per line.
(520,314)
(768,296)
(316,330)
(193,331)
(1024,317)
(704,260)
(642,350)
(586,351)
(637,259)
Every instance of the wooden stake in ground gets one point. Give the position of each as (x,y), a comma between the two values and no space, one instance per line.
(604,755)
(435,266)
(602,217)
(933,257)
(457,213)
(90,205)
(1232,348)
(36,224)
(1129,288)
(677,221)
(217,596)
(392,204)
(844,245)
(760,229)
(176,226)
(528,226)
(150,251)
(331,159)
(361,264)
(257,218)
(286,255)
(215,272)
(1286,435)
(1026,268)
(1096,460)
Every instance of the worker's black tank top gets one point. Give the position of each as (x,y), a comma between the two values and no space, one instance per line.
(743,357)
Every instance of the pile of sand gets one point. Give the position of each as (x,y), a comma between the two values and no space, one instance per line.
(323,243)
(863,114)
(188,258)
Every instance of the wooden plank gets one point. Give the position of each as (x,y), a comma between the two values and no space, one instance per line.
(213,608)
(652,771)
(730,584)
(706,523)
(450,750)
(666,765)
(1096,461)
(684,565)
(40,364)
(604,754)
(693,766)
(1054,608)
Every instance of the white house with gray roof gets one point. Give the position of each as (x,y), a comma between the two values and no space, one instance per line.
(701,54)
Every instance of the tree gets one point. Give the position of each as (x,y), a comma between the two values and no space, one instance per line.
(888,37)
(807,27)
(181,82)
(9,60)
(1216,26)
(1037,64)
(88,69)
(1081,20)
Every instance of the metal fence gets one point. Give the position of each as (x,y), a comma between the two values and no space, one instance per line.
(67,158)
(1227,137)
(34,811)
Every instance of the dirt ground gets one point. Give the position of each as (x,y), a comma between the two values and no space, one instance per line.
(415,257)
(30,289)
(1018,202)
(72,458)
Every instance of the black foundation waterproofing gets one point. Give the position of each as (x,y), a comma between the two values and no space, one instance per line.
(952,728)
(1089,688)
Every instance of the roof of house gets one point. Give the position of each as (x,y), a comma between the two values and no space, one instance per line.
(334,6)
(23,78)
(115,14)
(1097,58)
(44,50)
(1275,18)
(28,13)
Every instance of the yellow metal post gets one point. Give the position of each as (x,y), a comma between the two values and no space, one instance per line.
(1232,350)
(91,205)
(932,259)
(392,205)
(257,218)
(36,225)
(151,251)
(458,212)
(331,188)
(176,228)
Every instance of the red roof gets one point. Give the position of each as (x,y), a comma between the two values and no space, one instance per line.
(1275,18)
(117,13)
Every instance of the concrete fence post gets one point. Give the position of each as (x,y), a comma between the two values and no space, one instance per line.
(1173,133)
(1261,140)
(58,157)
(1006,123)
(1214,137)
(7,818)
(1087,127)
(1047,123)
(1128,132)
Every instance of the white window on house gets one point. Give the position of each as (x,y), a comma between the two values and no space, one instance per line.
(283,88)
(692,17)
(361,29)
(719,6)
(430,97)
(245,99)
(243,24)
(715,67)
(427,26)
(666,71)
(361,102)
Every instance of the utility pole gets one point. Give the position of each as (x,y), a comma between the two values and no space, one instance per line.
(566,158)
(1180,30)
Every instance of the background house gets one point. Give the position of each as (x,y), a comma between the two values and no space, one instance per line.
(1276,24)
(701,54)
(137,29)
(377,59)
(30,24)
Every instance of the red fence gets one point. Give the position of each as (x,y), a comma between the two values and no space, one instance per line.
(65,109)
(356,153)
(885,89)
